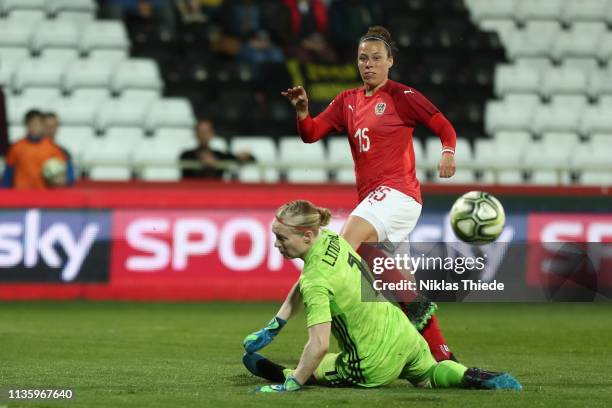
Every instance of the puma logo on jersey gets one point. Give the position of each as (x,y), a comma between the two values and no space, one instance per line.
(351,108)
(409,91)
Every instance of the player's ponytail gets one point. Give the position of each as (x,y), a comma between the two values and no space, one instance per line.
(302,216)
(380,33)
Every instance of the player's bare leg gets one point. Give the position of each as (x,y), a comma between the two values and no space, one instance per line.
(356,231)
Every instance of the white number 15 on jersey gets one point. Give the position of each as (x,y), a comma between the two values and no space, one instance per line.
(364,140)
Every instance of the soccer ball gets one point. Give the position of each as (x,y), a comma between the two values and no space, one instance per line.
(477,218)
(54,171)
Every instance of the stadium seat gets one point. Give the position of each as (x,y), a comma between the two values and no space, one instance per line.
(55,34)
(170,112)
(110,56)
(601,140)
(510,177)
(106,34)
(586,65)
(543,156)
(346,176)
(576,102)
(339,151)
(47,94)
(38,72)
(548,177)
(105,159)
(599,82)
(120,112)
(83,6)
(491,9)
(264,150)
(563,80)
(596,178)
(580,41)
(510,147)
(295,152)
(556,117)
(591,10)
(552,139)
(60,55)
(596,119)
(81,108)
(10,5)
(136,73)
(80,18)
(539,10)
(17,106)
(535,40)
(74,138)
(128,137)
(15,34)
(541,64)
(88,73)
(145,96)
(586,158)
(10,58)
(516,78)
(183,139)
(485,152)
(27,17)
(604,48)
(507,116)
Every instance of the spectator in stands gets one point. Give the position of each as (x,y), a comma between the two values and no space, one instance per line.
(51,123)
(309,23)
(26,158)
(212,162)
(158,14)
(348,19)
(194,11)
(245,35)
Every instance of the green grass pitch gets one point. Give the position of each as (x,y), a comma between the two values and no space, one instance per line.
(189,355)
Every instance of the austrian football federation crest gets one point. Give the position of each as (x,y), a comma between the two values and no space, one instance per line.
(380,108)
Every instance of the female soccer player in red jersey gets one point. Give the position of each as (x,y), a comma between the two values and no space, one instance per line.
(379,118)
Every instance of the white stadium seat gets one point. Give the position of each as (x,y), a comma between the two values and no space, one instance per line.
(587,158)
(604,48)
(539,10)
(55,34)
(511,177)
(38,72)
(294,151)
(596,178)
(15,34)
(9,60)
(110,56)
(60,55)
(591,10)
(27,17)
(580,41)
(485,152)
(504,116)
(16,132)
(128,137)
(564,80)
(544,156)
(548,177)
(576,102)
(170,112)
(586,65)
(556,118)
(120,112)
(516,78)
(599,82)
(88,73)
(535,40)
(567,139)
(84,6)
(461,176)
(491,9)
(339,151)
(184,139)
(108,160)
(106,34)
(81,108)
(74,138)
(47,94)
(136,73)
(264,150)
(80,18)
(17,106)
(157,159)
(541,64)
(601,140)
(596,119)
(10,5)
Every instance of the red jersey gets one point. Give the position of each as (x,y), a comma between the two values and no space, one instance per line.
(380,129)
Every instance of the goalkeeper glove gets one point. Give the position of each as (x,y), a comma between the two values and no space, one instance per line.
(291,384)
(260,339)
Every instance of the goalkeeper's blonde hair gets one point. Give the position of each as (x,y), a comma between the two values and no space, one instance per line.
(302,216)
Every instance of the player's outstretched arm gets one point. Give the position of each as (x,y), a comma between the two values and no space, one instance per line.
(299,99)
(314,351)
(447,166)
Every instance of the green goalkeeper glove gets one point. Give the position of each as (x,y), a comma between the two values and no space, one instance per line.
(260,339)
(291,384)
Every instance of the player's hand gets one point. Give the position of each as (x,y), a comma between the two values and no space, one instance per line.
(299,99)
(260,339)
(291,384)
(446,167)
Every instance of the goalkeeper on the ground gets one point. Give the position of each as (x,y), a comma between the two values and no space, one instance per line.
(378,343)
